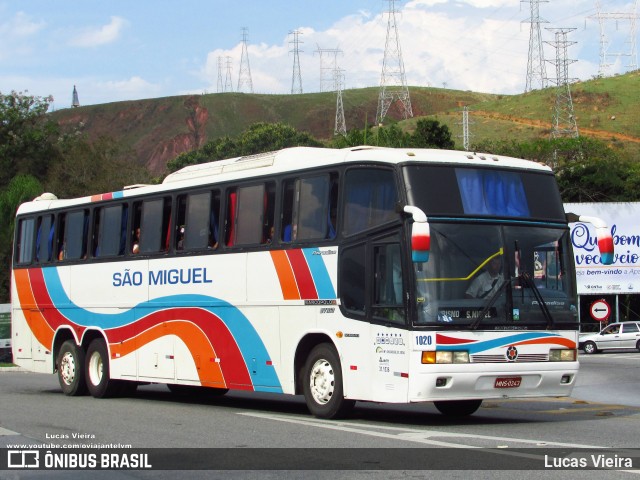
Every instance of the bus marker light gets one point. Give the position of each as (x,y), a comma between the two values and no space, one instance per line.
(428,357)
(269,362)
(339,334)
(354,367)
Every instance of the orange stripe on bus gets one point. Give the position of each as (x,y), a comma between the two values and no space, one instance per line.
(209,372)
(285,275)
(36,321)
(565,342)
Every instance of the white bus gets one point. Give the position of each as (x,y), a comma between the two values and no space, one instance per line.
(362,274)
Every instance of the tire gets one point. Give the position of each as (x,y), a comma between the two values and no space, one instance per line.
(458,408)
(70,364)
(322,384)
(590,348)
(97,371)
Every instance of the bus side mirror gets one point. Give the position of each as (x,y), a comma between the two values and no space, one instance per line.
(420,235)
(605,241)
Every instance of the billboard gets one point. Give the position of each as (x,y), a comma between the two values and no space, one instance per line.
(623,275)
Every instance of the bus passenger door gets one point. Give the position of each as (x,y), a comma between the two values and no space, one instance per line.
(390,360)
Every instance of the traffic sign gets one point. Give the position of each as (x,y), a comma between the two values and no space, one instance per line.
(600,310)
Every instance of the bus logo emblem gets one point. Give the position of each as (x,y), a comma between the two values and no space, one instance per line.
(512,354)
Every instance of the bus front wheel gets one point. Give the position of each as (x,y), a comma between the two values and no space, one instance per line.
(71,369)
(458,408)
(98,381)
(322,387)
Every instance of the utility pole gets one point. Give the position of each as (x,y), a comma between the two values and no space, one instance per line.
(536,72)
(393,83)
(296,79)
(244,75)
(605,55)
(340,125)
(564,120)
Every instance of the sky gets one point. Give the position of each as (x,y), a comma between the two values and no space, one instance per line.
(120,50)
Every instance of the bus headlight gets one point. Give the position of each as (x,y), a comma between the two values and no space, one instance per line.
(562,355)
(445,357)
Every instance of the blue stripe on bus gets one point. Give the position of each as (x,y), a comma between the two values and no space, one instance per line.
(497,342)
(320,274)
(246,337)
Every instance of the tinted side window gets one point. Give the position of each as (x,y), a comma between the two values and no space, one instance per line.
(24,245)
(198,215)
(371,198)
(352,280)
(388,296)
(154,226)
(310,208)
(74,244)
(44,239)
(110,230)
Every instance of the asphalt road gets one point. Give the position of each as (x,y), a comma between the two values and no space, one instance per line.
(602,415)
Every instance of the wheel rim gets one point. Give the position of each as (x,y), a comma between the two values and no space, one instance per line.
(322,381)
(588,348)
(95,368)
(68,368)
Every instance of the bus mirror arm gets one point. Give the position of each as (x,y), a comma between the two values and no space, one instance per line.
(420,234)
(605,241)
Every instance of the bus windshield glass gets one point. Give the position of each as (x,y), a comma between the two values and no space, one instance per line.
(496,277)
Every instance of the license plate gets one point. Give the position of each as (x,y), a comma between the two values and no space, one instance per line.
(508,382)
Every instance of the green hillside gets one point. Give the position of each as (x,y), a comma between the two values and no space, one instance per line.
(160,129)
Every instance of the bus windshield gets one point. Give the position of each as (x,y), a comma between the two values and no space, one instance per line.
(497,277)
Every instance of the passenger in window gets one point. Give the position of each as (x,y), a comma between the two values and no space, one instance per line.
(270,233)
(136,241)
(180,244)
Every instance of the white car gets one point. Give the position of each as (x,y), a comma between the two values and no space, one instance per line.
(615,335)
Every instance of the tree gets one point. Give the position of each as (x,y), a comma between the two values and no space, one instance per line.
(587,170)
(430,134)
(20,189)
(27,136)
(85,168)
(258,138)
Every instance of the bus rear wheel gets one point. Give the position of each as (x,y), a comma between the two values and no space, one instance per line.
(70,364)
(322,384)
(458,408)
(98,381)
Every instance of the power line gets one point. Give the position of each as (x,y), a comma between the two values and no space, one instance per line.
(228,84)
(220,86)
(340,124)
(535,62)
(564,120)
(244,75)
(328,69)
(605,55)
(393,82)
(296,79)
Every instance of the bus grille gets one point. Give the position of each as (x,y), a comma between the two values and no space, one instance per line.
(522,358)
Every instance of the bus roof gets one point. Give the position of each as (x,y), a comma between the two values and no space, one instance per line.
(288,160)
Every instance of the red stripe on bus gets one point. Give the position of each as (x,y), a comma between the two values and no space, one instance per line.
(303,275)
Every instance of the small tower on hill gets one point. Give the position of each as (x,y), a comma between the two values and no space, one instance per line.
(75,102)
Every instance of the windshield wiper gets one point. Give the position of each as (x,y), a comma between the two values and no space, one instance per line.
(528,282)
(476,323)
